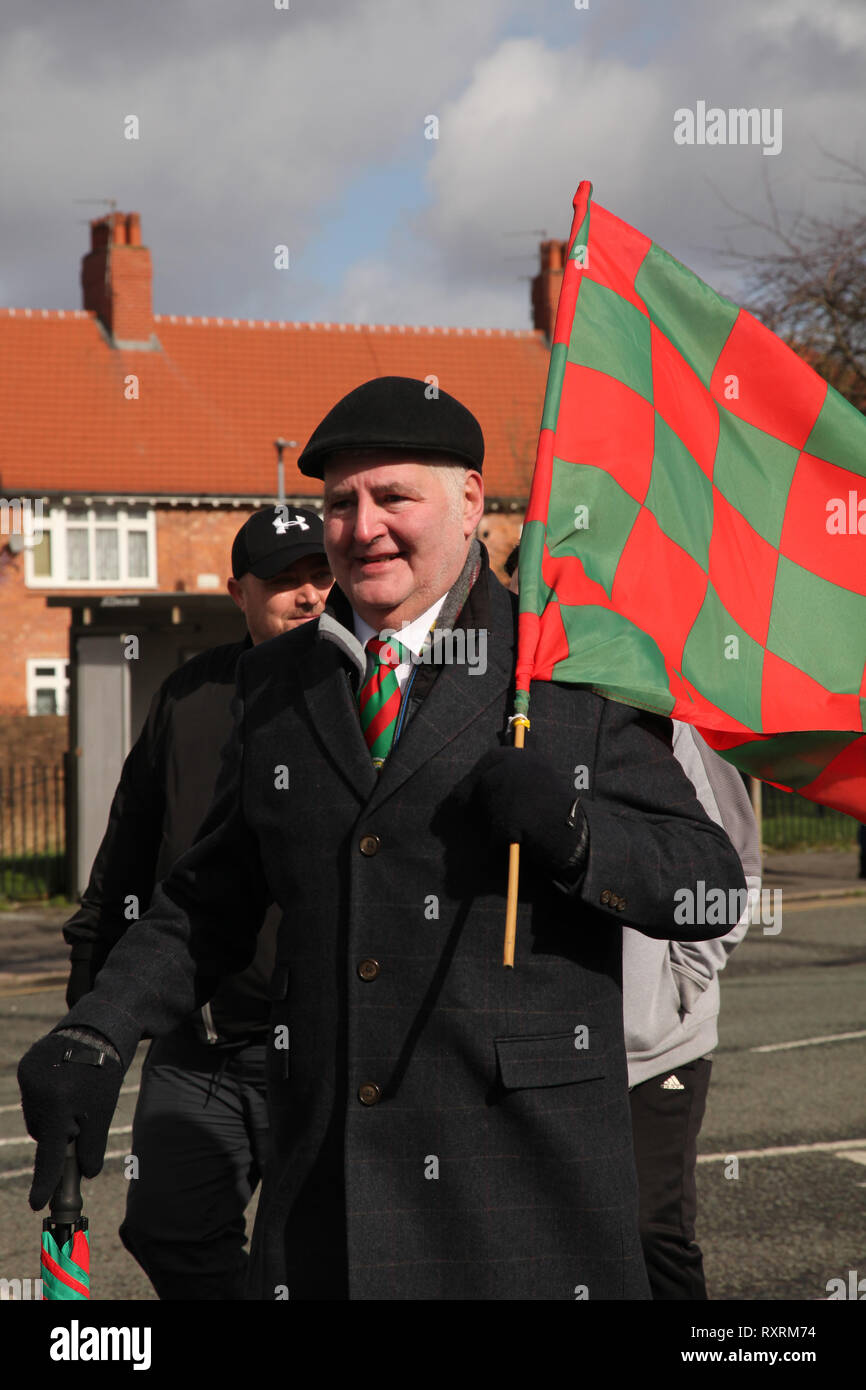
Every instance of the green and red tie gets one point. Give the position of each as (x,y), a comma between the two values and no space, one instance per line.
(379,699)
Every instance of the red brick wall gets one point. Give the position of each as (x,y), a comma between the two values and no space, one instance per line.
(42,739)
(27,629)
(196,540)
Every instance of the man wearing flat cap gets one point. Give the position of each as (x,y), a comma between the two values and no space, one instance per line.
(443,1128)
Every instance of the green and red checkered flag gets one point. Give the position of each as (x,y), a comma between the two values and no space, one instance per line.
(695,540)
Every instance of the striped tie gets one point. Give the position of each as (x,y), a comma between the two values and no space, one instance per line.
(379,699)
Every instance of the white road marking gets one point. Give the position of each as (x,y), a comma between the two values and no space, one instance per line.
(823,1146)
(26,1139)
(809,1042)
(124,1091)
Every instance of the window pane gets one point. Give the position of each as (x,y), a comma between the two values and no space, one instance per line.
(45,671)
(107,555)
(42,557)
(137,554)
(46,702)
(77,561)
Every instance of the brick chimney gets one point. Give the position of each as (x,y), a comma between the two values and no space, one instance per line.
(116,279)
(546,286)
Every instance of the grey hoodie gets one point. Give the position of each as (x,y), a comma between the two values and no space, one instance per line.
(671,988)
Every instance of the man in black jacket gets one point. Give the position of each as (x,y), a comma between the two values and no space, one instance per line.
(200,1134)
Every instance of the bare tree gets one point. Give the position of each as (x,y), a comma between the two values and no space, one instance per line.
(810,286)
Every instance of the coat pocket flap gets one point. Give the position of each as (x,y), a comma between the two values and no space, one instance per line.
(553,1059)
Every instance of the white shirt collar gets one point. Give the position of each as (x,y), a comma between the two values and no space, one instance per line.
(412,636)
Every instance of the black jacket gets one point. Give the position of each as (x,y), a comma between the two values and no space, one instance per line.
(165,789)
(437,1130)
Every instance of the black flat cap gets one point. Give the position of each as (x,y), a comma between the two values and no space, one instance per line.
(395,412)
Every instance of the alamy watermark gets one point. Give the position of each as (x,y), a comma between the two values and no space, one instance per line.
(703,906)
(21,516)
(15,1290)
(77,1343)
(444,647)
(737,126)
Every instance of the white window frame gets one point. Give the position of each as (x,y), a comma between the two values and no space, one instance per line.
(55,524)
(58,682)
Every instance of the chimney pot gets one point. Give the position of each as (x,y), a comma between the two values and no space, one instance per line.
(546,286)
(116,278)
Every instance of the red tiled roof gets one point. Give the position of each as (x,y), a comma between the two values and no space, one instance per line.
(220,391)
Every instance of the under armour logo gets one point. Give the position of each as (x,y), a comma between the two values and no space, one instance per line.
(281,524)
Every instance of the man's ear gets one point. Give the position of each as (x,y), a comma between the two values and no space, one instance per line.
(473,501)
(236,591)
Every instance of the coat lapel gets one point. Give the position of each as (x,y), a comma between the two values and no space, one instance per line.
(334,715)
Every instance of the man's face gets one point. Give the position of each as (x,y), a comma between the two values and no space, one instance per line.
(292,597)
(397,531)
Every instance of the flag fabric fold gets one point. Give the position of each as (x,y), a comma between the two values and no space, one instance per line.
(66,1267)
(695,539)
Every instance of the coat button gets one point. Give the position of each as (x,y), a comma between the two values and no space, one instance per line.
(368,969)
(369,1093)
(614,900)
(621,904)
(605,897)
(369,844)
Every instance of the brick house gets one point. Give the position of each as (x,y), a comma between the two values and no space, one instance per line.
(135,444)
(145,439)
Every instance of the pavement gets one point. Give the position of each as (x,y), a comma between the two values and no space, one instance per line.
(782,1152)
(814,873)
(32,950)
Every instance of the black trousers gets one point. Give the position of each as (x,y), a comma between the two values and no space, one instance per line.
(200,1135)
(665,1125)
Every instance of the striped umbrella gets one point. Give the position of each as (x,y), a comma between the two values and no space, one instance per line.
(65,1242)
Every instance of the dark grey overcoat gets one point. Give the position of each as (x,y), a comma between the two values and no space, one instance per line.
(495,1159)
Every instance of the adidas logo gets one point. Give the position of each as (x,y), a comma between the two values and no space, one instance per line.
(672,1084)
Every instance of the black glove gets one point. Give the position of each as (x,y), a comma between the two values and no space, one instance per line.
(517,797)
(69,1090)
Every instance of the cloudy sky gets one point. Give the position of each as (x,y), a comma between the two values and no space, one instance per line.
(306,127)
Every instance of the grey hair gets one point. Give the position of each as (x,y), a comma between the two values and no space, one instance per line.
(454,477)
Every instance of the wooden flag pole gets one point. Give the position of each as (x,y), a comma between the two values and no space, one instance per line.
(521,724)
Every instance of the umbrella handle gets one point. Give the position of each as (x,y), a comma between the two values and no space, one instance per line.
(66,1204)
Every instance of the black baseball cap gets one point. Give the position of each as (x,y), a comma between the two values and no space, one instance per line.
(274,538)
(395,412)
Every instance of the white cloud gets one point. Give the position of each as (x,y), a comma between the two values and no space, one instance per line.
(254,122)
(532,122)
(246,131)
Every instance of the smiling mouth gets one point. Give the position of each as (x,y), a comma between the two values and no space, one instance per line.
(365,561)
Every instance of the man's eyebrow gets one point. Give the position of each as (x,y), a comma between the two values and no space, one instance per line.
(340,492)
(409,488)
